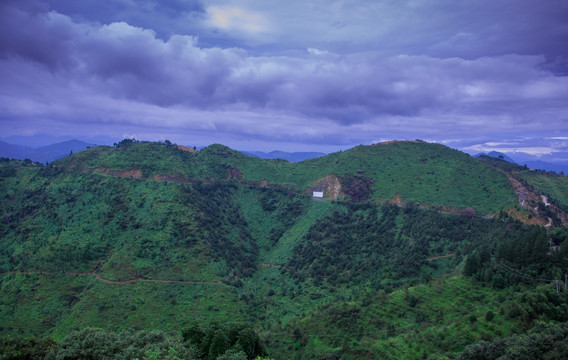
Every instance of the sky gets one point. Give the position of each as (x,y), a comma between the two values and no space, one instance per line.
(295,75)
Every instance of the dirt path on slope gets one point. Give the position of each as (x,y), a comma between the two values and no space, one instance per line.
(99,278)
(275,266)
(530,199)
(527,198)
(440,256)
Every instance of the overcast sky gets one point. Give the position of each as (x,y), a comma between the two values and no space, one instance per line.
(294,75)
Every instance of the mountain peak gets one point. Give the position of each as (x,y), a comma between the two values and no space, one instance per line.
(497,155)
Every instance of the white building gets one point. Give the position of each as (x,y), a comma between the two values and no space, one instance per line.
(318,194)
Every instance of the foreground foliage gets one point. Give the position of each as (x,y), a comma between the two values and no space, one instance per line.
(541,342)
(214,342)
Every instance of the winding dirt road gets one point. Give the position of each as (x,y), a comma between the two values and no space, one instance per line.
(99,278)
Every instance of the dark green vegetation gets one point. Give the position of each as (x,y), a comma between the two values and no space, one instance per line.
(213,342)
(421,255)
(426,174)
(541,342)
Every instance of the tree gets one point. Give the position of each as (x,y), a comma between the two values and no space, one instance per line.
(219,344)
(471,265)
(250,343)
(233,354)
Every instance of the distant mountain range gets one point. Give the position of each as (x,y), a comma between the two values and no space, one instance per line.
(289,156)
(532,164)
(543,165)
(41,140)
(42,154)
(497,155)
(44,148)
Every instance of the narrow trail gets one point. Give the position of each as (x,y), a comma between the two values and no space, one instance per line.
(99,278)
(275,266)
(440,256)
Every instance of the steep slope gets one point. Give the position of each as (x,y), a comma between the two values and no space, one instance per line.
(148,236)
(91,247)
(543,195)
(410,172)
(422,173)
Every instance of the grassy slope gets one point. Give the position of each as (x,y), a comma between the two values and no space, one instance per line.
(423,173)
(126,228)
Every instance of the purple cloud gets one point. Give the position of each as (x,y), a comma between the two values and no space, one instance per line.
(70,70)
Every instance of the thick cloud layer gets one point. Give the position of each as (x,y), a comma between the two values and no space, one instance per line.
(436,70)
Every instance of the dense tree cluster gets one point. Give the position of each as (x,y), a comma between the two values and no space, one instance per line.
(358,187)
(283,207)
(225,342)
(222,225)
(97,344)
(213,342)
(365,241)
(527,255)
(542,342)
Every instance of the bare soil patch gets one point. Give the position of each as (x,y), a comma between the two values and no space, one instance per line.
(329,185)
(185,148)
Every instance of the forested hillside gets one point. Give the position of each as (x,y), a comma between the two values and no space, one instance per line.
(422,173)
(415,251)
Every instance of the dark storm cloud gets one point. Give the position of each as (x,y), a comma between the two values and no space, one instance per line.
(133,63)
(35,35)
(423,74)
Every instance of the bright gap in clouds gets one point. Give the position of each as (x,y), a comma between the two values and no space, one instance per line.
(236,18)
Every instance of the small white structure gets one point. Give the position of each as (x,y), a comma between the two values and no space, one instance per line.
(318,194)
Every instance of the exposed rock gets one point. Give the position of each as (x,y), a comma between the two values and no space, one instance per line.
(185,148)
(468,212)
(396,200)
(234,173)
(329,185)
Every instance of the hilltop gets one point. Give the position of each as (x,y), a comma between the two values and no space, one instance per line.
(393,261)
(425,174)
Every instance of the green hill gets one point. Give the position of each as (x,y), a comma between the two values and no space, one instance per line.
(410,172)
(150,236)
